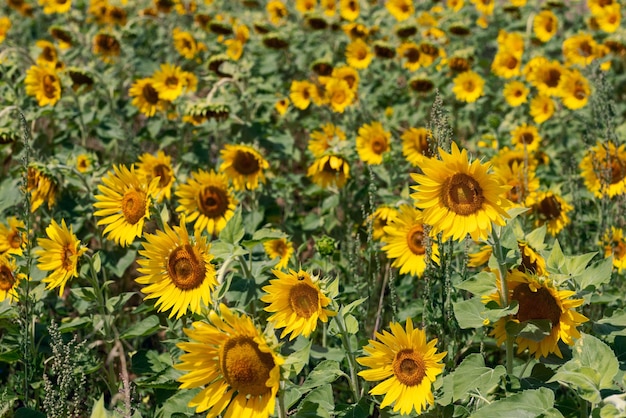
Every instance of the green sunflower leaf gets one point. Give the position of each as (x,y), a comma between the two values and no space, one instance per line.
(233,232)
(596,275)
(470,378)
(145,327)
(483,283)
(527,404)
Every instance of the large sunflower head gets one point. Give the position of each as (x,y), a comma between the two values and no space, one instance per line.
(145,97)
(407,364)
(12,239)
(604,169)
(244,166)
(297,301)
(614,245)
(372,142)
(539,299)
(329,170)
(460,197)
(124,204)
(207,200)
(407,242)
(59,254)
(550,209)
(232,361)
(177,270)
(9,279)
(43,83)
(468,86)
(151,166)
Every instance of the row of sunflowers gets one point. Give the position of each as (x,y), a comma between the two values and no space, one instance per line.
(304,208)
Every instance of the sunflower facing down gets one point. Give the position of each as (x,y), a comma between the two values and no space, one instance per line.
(232,361)
(59,255)
(12,239)
(177,270)
(44,84)
(460,197)
(280,248)
(329,170)
(206,200)
(539,299)
(124,204)
(372,142)
(244,166)
(151,166)
(615,245)
(407,364)
(407,242)
(296,301)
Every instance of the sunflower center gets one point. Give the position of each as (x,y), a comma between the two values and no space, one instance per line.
(580,93)
(361,53)
(15,241)
(304,300)
(245,163)
(550,208)
(279,247)
(213,201)
(185,269)
(150,94)
(409,367)
(379,145)
(49,54)
(171,82)
(415,240)
(536,305)
(511,63)
(618,170)
(412,55)
(6,278)
(66,258)
(329,169)
(186,44)
(462,194)
(134,206)
(245,367)
(162,171)
(49,89)
(339,96)
(619,250)
(527,138)
(553,77)
(549,25)
(585,49)
(469,86)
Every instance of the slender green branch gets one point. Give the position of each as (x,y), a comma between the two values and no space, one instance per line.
(354,380)
(504,294)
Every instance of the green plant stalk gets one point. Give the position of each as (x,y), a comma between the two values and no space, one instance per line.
(282,413)
(504,295)
(244,266)
(354,381)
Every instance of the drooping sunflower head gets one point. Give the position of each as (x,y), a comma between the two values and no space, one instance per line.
(603,169)
(124,204)
(151,166)
(372,142)
(329,170)
(9,279)
(42,187)
(407,364)
(12,238)
(460,197)
(614,245)
(244,166)
(206,200)
(237,368)
(297,301)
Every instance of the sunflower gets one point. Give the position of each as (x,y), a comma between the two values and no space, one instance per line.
(42,187)
(186,44)
(356,31)
(279,248)
(539,299)
(541,108)
(277,11)
(400,9)
(485,7)
(526,137)
(348,74)
(468,86)
(206,199)
(325,139)
(410,51)
(580,49)
(124,204)
(302,93)
(415,146)
(9,281)
(282,105)
(358,54)
(146,97)
(55,6)
(460,197)
(575,90)
(349,9)
(234,49)
(532,262)
(603,169)
(12,239)
(5,26)
(244,166)
(380,218)
(547,78)
(305,6)
(506,64)
(84,163)
(296,301)
(515,93)
(614,245)
(610,18)
(545,25)
(44,84)
(329,7)
(481,257)
(372,142)
(177,270)
(550,209)
(107,47)
(408,364)
(169,81)
(522,182)
(48,57)
(150,167)
(234,363)
(338,94)
(407,242)
(59,254)
(329,170)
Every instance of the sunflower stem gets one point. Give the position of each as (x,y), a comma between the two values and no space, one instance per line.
(244,266)
(354,381)
(504,295)
(282,412)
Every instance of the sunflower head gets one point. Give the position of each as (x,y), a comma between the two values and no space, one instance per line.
(9,280)
(244,166)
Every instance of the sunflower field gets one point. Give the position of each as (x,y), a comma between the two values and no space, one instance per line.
(312,208)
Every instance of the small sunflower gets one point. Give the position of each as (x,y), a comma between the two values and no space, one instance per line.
(297,301)
(407,242)
(12,239)
(5,26)
(372,142)
(107,47)
(339,94)
(400,9)
(146,97)
(124,204)
(302,93)
(410,51)
(349,9)
(550,209)
(610,18)
(177,270)
(539,299)
(232,361)
(614,245)
(55,6)
(9,280)
(279,248)
(407,363)
(49,57)
(547,78)
(485,7)
(460,197)
(575,90)
(169,81)
(244,166)
(455,5)
(506,64)
(329,7)
(329,170)
(42,187)
(59,255)
(186,44)
(282,105)
(151,166)
(84,163)
(580,49)
(277,11)
(526,137)
(545,25)
(541,108)
(206,199)
(532,262)
(603,169)
(348,74)
(327,138)
(44,84)
(468,86)
(358,54)
(415,146)
(520,178)
(515,93)
(380,218)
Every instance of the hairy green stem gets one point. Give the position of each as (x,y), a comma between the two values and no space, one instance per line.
(354,380)
(504,295)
